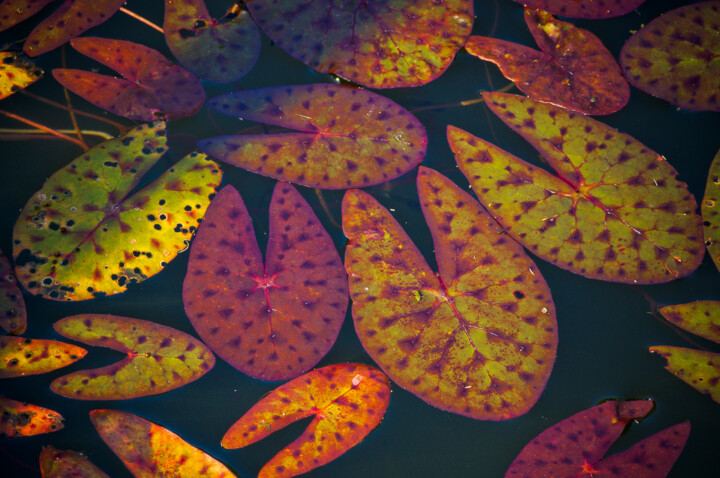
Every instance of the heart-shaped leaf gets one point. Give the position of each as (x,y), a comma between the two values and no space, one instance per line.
(348,137)
(16,72)
(82,235)
(20,356)
(19,419)
(573,70)
(13,314)
(615,210)
(698,368)
(151,451)
(56,463)
(378,43)
(159,358)
(348,401)
(153,87)
(710,208)
(700,318)
(272,321)
(674,57)
(13,12)
(590,9)
(217,50)
(477,339)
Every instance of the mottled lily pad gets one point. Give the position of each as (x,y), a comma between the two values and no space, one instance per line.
(13,314)
(348,401)
(710,208)
(347,137)
(13,12)
(675,57)
(56,463)
(152,87)
(590,9)
(613,211)
(573,70)
(700,318)
(376,43)
(19,419)
(16,72)
(159,358)
(477,339)
(272,321)
(20,356)
(698,368)
(83,234)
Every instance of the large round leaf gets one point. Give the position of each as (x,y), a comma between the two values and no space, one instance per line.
(710,208)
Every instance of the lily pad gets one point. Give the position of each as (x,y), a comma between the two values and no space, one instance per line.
(221,50)
(82,235)
(348,401)
(151,451)
(13,12)
(16,72)
(376,43)
(20,419)
(20,356)
(152,87)
(272,321)
(700,318)
(675,57)
(348,137)
(590,9)
(710,208)
(614,210)
(477,339)
(56,463)
(698,368)
(13,314)
(159,358)
(573,70)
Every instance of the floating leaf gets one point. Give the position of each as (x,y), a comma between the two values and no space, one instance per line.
(348,137)
(16,72)
(674,57)
(56,463)
(710,207)
(159,358)
(13,315)
(347,400)
(13,12)
(615,211)
(218,50)
(701,318)
(575,446)
(20,356)
(574,69)
(19,419)
(698,368)
(380,44)
(272,321)
(154,88)
(83,236)
(151,451)
(590,9)
(477,339)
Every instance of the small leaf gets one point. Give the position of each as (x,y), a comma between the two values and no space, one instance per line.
(674,57)
(151,451)
(20,356)
(698,368)
(347,400)
(153,88)
(589,9)
(159,358)
(13,12)
(700,318)
(16,72)
(19,419)
(348,137)
(710,209)
(272,321)
(217,50)
(13,314)
(56,463)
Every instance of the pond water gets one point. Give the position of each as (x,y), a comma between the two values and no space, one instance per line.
(605,329)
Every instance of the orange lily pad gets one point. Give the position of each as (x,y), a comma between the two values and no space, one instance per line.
(56,463)
(20,419)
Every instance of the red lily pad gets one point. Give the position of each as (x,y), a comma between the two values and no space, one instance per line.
(477,339)
(379,43)
(710,209)
(674,57)
(13,314)
(20,419)
(16,72)
(590,9)
(159,358)
(78,238)
(575,446)
(348,401)
(614,210)
(272,321)
(13,12)
(348,137)
(56,463)
(221,50)
(573,70)
(151,451)
(152,87)
(20,356)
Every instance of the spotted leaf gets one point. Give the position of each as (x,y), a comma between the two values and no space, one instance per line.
(151,451)
(377,43)
(590,9)
(347,401)
(82,235)
(19,419)
(710,211)
(152,87)
(698,368)
(13,12)
(347,137)
(573,70)
(477,339)
(16,72)
(56,463)
(675,57)
(13,314)
(159,358)
(20,356)
(700,318)
(221,50)
(614,210)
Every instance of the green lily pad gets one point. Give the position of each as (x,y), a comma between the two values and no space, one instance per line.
(710,209)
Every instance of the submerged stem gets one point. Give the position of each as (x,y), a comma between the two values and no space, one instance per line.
(10,132)
(473,101)
(45,128)
(70,109)
(121,127)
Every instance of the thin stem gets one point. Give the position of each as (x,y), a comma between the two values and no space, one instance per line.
(45,128)
(120,127)
(323,203)
(505,88)
(10,132)
(142,19)
(70,110)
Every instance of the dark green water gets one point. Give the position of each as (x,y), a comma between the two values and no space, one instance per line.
(605,328)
